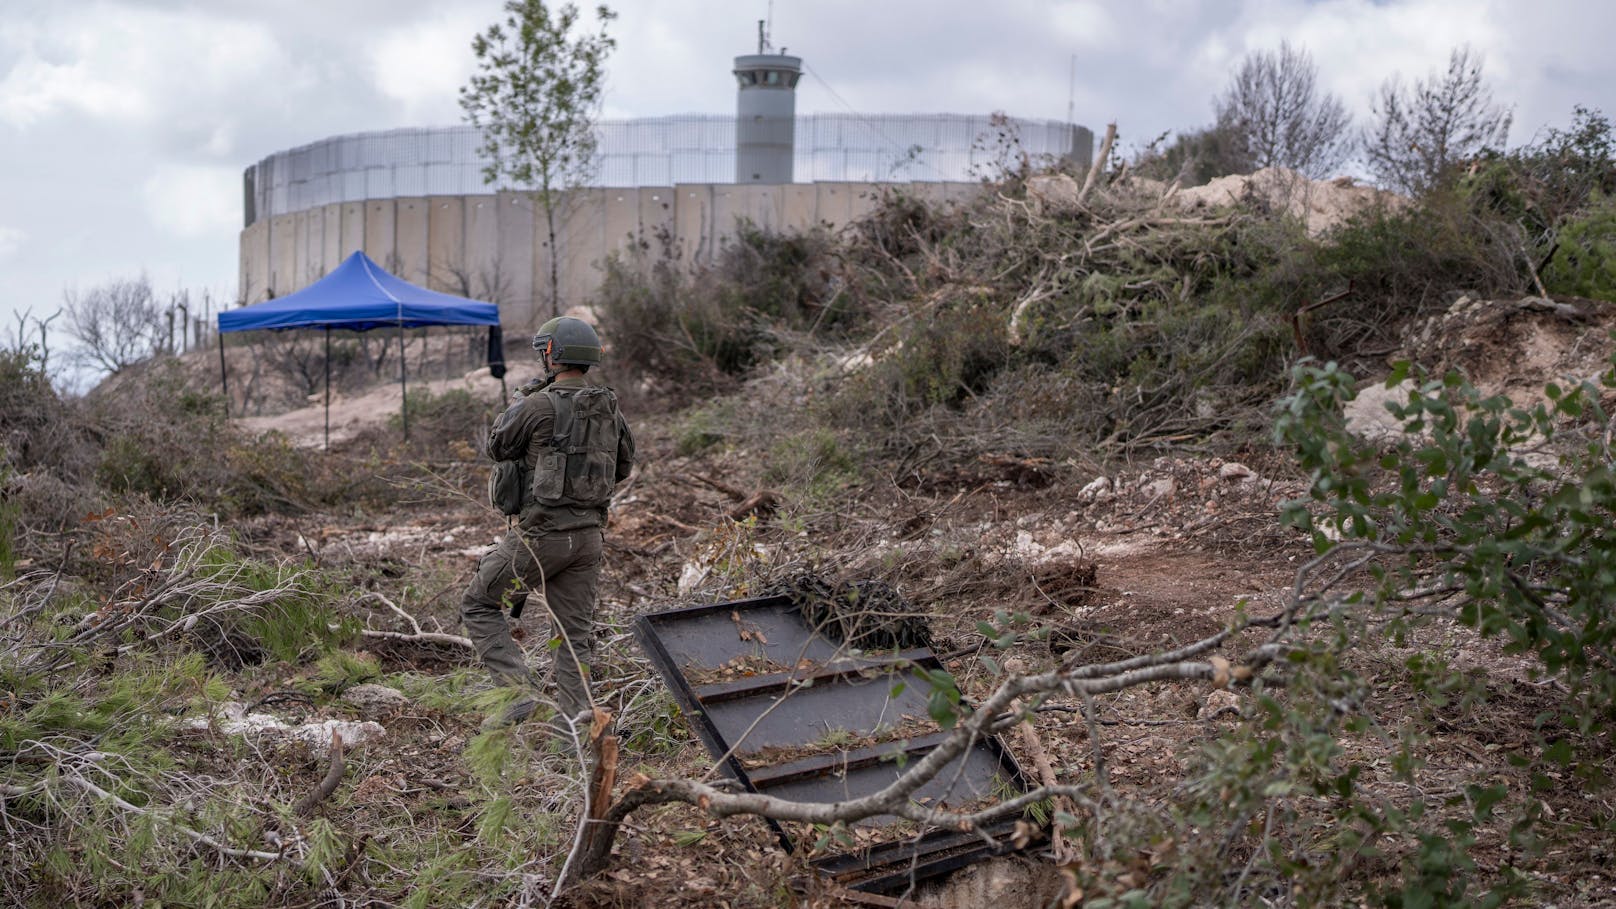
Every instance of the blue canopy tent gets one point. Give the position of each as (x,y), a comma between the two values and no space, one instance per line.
(360,295)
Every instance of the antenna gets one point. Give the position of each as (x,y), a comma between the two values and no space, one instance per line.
(1071,89)
(763,41)
(769,32)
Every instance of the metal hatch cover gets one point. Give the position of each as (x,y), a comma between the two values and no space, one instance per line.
(794,714)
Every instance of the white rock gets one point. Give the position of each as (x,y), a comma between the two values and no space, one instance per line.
(1053,192)
(372,699)
(691,576)
(1219,702)
(1160,489)
(318,735)
(1097,490)
(233,719)
(1234,470)
(1367,416)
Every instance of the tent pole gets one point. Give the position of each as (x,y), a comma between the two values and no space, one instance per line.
(224,377)
(403,391)
(328,388)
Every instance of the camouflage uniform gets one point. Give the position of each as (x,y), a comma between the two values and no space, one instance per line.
(554,551)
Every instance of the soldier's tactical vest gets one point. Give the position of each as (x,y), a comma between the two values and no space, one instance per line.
(579,468)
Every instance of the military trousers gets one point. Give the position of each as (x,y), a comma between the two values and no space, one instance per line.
(563,566)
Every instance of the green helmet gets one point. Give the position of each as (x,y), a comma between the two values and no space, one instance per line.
(568,341)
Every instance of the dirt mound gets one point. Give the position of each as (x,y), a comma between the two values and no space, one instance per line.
(1514,347)
(1218,502)
(1320,204)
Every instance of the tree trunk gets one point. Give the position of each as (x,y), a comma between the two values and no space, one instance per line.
(555,274)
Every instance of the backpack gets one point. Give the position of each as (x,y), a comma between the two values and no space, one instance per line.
(580,467)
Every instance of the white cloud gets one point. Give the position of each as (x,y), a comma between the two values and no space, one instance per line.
(135,65)
(36,88)
(194,200)
(10,241)
(423,65)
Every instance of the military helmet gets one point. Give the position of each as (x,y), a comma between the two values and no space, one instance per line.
(568,341)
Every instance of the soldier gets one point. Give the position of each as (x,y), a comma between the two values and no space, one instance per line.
(566,447)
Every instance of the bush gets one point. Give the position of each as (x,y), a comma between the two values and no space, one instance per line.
(1456,503)
(812,465)
(38,429)
(437,420)
(708,327)
(1584,263)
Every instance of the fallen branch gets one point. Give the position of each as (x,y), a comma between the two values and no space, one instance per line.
(1098,165)
(416,635)
(724,488)
(195,836)
(760,503)
(425,637)
(1046,777)
(333,778)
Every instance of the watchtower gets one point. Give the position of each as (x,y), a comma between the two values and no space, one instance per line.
(765,114)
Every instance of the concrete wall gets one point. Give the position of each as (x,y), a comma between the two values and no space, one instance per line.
(410,239)
(496,247)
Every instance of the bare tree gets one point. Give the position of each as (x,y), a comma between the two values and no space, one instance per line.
(1423,130)
(117,324)
(21,341)
(1278,117)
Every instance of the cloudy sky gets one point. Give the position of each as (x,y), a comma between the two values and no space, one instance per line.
(125,124)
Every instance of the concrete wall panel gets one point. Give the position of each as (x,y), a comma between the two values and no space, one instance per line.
(729,205)
(932,192)
(300,251)
(656,214)
(411,239)
(282,256)
(834,202)
(765,205)
(353,230)
(866,197)
(515,256)
(620,227)
(381,242)
(693,222)
(801,206)
(962,192)
(331,247)
(446,245)
(253,279)
(581,229)
(482,252)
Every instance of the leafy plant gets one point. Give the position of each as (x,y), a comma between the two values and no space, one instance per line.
(536,95)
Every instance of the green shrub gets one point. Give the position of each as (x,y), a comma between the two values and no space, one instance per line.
(438,419)
(703,427)
(706,327)
(812,464)
(1584,264)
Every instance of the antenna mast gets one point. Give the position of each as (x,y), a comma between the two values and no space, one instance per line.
(1071,89)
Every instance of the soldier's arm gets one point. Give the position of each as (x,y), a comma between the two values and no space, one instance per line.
(625,449)
(507,440)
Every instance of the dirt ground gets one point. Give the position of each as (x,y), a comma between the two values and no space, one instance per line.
(1134,559)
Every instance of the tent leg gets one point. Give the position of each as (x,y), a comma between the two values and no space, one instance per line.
(328,388)
(224,377)
(403,391)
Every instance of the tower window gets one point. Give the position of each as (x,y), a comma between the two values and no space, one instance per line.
(771,77)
